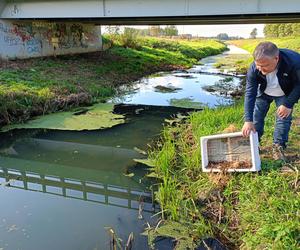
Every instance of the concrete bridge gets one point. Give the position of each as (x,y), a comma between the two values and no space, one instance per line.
(153,11)
(31,28)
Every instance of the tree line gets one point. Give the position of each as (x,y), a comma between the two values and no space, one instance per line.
(169,30)
(282,30)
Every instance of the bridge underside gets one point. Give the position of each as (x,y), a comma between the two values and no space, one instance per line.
(153,11)
(35,28)
(182,20)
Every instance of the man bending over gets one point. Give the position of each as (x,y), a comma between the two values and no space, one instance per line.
(273,76)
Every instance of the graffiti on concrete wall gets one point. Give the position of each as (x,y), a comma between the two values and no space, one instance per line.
(22,36)
(12,41)
(40,38)
(34,46)
(25,32)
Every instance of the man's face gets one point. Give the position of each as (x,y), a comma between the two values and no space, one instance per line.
(267,65)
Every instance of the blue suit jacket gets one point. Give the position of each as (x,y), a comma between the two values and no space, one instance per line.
(288,77)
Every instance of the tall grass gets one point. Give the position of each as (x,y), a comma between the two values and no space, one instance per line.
(268,206)
(247,211)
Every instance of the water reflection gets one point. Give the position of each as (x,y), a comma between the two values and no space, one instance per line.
(28,177)
(60,189)
(187,85)
(191,84)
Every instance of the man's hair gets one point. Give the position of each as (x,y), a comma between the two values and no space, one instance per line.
(265,49)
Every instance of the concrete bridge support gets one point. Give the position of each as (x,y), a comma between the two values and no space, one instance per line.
(27,39)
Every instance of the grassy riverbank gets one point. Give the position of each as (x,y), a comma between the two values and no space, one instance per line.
(240,63)
(249,211)
(286,42)
(243,211)
(37,86)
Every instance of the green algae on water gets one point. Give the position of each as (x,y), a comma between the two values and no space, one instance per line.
(99,116)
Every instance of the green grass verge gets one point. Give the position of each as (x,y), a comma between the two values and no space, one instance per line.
(246,210)
(240,63)
(286,42)
(37,86)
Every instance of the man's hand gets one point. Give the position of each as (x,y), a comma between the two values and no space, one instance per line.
(283,112)
(247,128)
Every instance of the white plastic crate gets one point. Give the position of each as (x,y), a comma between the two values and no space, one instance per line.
(231,150)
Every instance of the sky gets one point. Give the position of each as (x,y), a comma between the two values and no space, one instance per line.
(242,30)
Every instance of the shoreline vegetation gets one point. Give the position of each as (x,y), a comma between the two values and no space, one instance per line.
(45,85)
(240,210)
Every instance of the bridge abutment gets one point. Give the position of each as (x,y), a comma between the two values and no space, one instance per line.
(27,39)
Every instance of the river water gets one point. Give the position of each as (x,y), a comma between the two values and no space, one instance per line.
(64,189)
